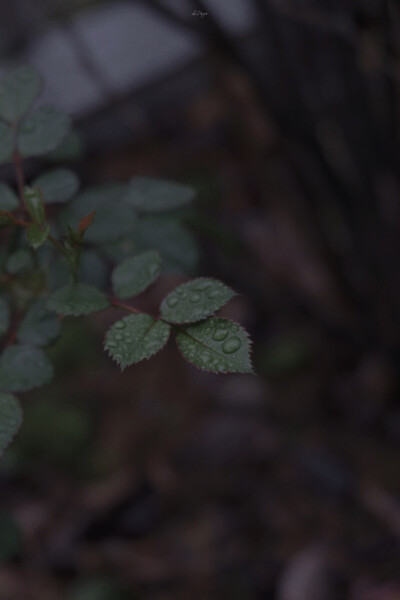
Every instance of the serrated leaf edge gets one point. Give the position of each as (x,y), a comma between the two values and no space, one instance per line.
(212,314)
(252,372)
(146,357)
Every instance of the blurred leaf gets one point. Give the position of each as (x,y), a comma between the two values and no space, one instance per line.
(195,300)
(114,218)
(10,420)
(35,204)
(10,538)
(92,269)
(43,131)
(39,327)
(4,316)
(76,348)
(71,149)
(177,246)
(135,338)
(37,235)
(6,143)
(58,185)
(216,345)
(135,274)
(8,198)
(18,91)
(19,261)
(77,299)
(148,194)
(23,368)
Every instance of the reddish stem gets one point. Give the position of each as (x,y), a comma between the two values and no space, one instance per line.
(124,306)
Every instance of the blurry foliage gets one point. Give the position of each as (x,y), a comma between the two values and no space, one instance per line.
(138,224)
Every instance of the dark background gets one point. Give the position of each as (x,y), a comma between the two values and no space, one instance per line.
(169,484)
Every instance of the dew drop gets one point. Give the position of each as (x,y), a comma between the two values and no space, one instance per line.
(172,301)
(220,334)
(231,345)
(201,286)
(213,294)
(195,297)
(120,325)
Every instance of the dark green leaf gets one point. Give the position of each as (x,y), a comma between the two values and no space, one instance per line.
(216,345)
(153,195)
(58,185)
(6,143)
(71,149)
(113,219)
(135,274)
(39,326)
(10,419)
(23,368)
(8,199)
(18,91)
(43,131)
(77,299)
(177,246)
(135,338)
(37,235)
(195,300)
(19,261)
(35,204)
(4,316)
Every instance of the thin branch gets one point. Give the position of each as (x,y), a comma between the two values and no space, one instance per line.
(117,304)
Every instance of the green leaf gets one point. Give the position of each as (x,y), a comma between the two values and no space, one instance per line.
(135,338)
(177,246)
(43,131)
(114,218)
(11,538)
(19,261)
(23,368)
(77,299)
(216,345)
(135,274)
(71,149)
(153,195)
(35,204)
(10,419)
(18,91)
(6,143)
(4,316)
(58,185)
(195,300)
(37,235)
(8,198)
(39,327)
